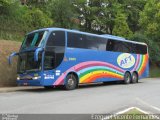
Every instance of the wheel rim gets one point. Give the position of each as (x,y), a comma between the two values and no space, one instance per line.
(128,77)
(134,78)
(70,82)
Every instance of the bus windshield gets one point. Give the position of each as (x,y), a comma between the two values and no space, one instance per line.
(35,39)
(26,62)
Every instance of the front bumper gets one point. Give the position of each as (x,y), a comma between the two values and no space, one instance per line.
(29,82)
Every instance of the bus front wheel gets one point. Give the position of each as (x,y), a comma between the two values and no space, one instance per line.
(127,78)
(71,82)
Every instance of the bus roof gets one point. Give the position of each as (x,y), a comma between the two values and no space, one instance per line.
(91,34)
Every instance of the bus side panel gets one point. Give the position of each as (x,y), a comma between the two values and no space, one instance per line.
(91,66)
(145,74)
(97,66)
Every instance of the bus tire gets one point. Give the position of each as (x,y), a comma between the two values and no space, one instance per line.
(134,77)
(71,82)
(127,78)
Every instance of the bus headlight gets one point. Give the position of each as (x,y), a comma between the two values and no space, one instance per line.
(18,78)
(35,78)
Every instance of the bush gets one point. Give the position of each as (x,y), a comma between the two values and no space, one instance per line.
(36,19)
(4,7)
(17,19)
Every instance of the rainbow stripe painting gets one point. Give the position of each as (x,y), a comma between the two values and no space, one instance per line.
(141,64)
(90,71)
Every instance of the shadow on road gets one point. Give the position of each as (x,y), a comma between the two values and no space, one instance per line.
(81,86)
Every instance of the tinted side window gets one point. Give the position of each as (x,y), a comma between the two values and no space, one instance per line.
(49,59)
(29,40)
(95,43)
(141,49)
(54,51)
(56,38)
(126,47)
(87,42)
(76,40)
(119,46)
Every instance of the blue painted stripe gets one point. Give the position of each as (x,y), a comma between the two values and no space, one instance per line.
(97,67)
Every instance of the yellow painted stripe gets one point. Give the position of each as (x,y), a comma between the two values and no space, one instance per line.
(82,79)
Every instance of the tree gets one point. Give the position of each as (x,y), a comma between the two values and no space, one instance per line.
(121,27)
(132,8)
(150,24)
(84,11)
(108,13)
(150,20)
(63,13)
(153,48)
(5,7)
(97,15)
(36,19)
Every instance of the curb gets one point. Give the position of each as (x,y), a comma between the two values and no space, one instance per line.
(13,89)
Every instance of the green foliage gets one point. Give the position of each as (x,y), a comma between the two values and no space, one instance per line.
(107,14)
(121,27)
(63,13)
(132,8)
(43,5)
(11,26)
(89,13)
(152,46)
(20,19)
(97,15)
(150,19)
(154,71)
(135,19)
(4,7)
(150,24)
(36,19)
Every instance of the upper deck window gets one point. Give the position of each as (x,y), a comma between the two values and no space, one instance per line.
(126,47)
(34,39)
(77,40)
(56,38)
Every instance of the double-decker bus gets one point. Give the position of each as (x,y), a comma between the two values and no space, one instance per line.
(54,56)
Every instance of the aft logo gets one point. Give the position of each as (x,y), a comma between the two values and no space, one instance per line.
(126,60)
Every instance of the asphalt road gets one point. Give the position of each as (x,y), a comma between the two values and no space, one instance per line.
(101,98)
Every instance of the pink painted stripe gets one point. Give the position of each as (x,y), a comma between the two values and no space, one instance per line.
(59,81)
(83,65)
(137,62)
(96,63)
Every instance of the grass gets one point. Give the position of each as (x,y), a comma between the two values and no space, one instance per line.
(154,71)
(134,112)
(7,36)
(11,28)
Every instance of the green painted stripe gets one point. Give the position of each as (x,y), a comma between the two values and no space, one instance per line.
(92,70)
(140,63)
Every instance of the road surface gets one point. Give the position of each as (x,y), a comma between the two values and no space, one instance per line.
(109,98)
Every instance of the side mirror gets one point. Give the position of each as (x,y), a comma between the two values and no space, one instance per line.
(10,57)
(36,53)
